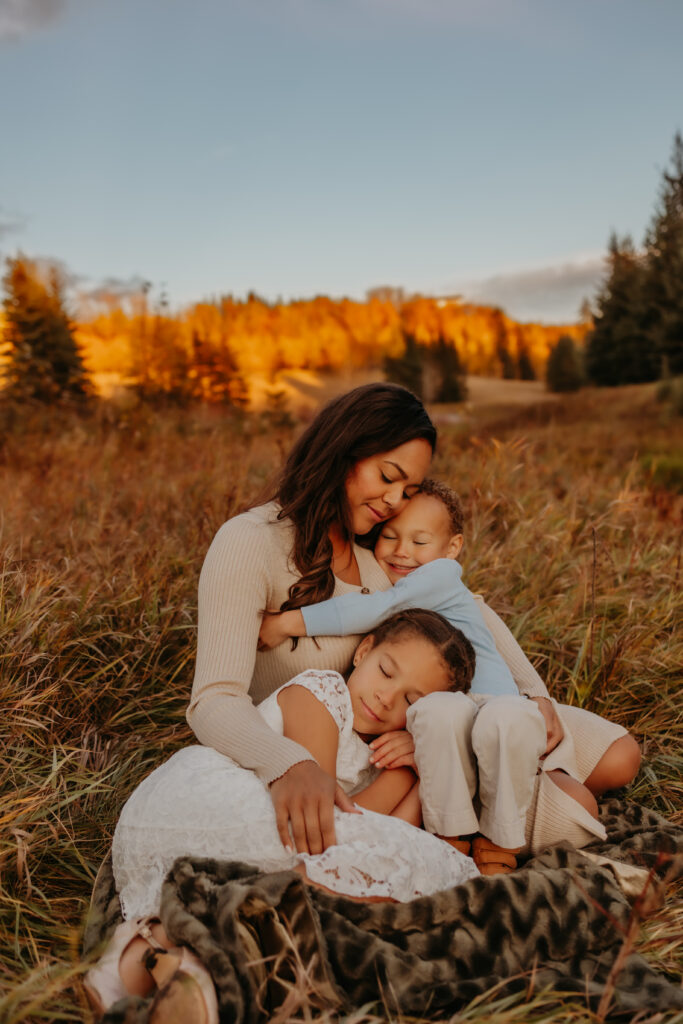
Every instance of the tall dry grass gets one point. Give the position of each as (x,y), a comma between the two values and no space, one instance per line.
(104,523)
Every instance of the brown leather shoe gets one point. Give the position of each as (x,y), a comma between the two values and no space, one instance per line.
(492,859)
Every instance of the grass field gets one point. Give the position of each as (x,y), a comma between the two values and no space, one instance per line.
(574,536)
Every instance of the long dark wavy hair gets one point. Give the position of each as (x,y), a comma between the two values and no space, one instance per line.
(370,419)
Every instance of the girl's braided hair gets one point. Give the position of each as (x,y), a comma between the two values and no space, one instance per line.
(457,653)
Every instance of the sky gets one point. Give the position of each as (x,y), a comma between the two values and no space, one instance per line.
(485,148)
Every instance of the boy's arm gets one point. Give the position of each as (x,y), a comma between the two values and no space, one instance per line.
(276,627)
(426,587)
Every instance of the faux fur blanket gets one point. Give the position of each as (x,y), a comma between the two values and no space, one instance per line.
(270,941)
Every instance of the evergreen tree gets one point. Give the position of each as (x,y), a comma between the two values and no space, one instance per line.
(663,285)
(450,386)
(619,350)
(507,365)
(44,361)
(525,367)
(564,372)
(407,369)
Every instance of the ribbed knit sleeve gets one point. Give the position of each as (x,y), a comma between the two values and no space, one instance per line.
(528,681)
(235,586)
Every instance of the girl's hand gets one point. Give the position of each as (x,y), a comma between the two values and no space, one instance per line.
(553,725)
(393,750)
(304,799)
(277,627)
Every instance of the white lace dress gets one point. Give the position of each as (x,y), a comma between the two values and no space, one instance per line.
(202,804)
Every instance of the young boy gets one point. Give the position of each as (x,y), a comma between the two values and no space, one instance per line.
(491,740)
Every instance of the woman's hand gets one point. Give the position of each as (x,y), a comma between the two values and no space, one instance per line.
(553,725)
(393,750)
(277,627)
(304,799)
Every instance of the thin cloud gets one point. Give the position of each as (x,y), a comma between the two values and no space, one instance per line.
(10,223)
(116,288)
(20,17)
(551,294)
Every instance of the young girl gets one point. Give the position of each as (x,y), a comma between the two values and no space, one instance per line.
(201,803)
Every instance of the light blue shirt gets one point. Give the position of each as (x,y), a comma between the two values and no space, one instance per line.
(437,586)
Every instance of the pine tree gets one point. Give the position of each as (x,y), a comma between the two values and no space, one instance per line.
(44,361)
(407,369)
(663,285)
(564,371)
(619,349)
(507,365)
(451,386)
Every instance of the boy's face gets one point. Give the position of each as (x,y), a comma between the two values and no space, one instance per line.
(420,533)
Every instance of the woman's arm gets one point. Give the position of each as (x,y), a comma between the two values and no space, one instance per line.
(234,588)
(528,681)
(525,675)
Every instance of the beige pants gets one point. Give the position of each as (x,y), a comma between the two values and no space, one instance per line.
(480,768)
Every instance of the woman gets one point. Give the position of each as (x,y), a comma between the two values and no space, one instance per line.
(356,465)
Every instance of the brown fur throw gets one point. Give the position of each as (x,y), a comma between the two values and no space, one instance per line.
(270,940)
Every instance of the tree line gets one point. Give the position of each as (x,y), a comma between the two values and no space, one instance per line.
(212,351)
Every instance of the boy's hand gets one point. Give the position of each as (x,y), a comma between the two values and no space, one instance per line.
(393,750)
(553,725)
(278,627)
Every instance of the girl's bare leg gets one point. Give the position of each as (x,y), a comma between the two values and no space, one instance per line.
(409,808)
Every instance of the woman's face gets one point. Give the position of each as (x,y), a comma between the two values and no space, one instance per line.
(378,487)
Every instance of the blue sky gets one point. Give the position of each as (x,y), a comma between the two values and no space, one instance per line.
(298,147)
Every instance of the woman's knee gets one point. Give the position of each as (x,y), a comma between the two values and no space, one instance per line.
(575,790)
(617,767)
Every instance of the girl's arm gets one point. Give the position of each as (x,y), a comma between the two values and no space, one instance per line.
(308,722)
(387,791)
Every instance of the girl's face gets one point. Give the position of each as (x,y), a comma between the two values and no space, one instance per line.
(378,487)
(388,677)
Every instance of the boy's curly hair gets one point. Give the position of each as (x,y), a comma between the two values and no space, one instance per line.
(448,497)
